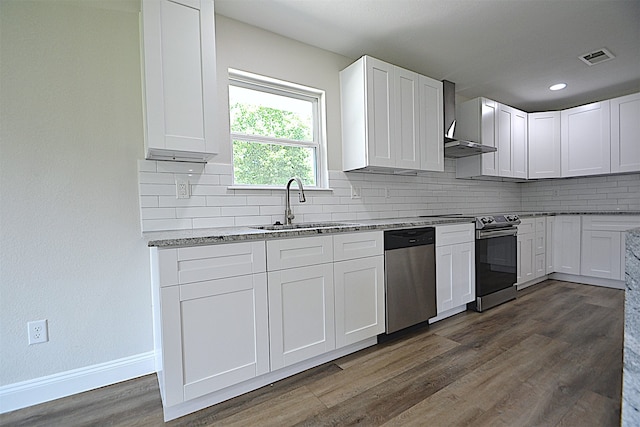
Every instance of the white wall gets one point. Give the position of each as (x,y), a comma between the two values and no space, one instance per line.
(248,48)
(71,135)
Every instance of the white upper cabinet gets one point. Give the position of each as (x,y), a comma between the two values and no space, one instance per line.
(512,142)
(544,145)
(625,133)
(382,118)
(585,140)
(179,80)
(495,125)
(431,124)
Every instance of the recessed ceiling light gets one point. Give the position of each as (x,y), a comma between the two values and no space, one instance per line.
(558,86)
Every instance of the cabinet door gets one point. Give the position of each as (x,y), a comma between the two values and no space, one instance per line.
(519,144)
(359,299)
(215,334)
(455,275)
(539,268)
(550,229)
(566,244)
(301,314)
(585,140)
(179,79)
(526,257)
(601,254)
(625,133)
(407,119)
(512,142)
(489,122)
(431,125)
(544,145)
(380,112)
(505,146)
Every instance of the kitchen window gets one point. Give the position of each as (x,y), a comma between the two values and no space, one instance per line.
(277,131)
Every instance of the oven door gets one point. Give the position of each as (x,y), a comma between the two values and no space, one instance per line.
(496,260)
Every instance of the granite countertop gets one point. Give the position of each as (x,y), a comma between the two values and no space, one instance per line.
(210,236)
(537,214)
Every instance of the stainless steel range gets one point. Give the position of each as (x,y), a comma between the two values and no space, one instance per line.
(496,260)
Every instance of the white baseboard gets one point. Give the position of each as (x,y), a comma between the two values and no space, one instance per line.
(40,390)
(595,281)
(448,313)
(193,405)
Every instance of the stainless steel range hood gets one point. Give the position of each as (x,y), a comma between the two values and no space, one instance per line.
(456,148)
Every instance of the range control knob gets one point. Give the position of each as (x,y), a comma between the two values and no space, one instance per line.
(487,220)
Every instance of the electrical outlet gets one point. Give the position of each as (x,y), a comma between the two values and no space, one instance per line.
(556,192)
(183,191)
(355,192)
(387,193)
(38,331)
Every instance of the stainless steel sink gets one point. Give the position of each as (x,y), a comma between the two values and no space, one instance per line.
(300,226)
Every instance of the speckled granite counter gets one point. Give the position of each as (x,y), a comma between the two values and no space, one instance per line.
(631,372)
(211,236)
(536,214)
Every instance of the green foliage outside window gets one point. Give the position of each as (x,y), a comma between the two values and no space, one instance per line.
(260,163)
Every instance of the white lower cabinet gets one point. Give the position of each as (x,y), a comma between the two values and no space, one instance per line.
(601,254)
(301,314)
(455,266)
(532,249)
(526,255)
(359,295)
(549,231)
(603,240)
(566,244)
(333,297)
(211,318)
(215,335)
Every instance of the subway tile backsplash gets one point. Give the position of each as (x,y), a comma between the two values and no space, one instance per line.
(214,204)
(594,193)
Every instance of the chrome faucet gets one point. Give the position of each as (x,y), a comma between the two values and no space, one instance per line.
(288,215)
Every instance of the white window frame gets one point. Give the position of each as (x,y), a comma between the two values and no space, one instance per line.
(279,87)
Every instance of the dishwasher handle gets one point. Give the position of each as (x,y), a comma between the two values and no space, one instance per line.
(406,238)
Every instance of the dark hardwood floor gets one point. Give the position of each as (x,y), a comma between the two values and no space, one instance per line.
(553,357)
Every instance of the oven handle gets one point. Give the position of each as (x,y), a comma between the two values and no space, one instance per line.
(488,234)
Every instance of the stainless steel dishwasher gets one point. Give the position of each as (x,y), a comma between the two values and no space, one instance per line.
(410,277)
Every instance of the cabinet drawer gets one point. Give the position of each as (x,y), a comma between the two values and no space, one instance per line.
(454,234)
(527,226)
(540,224)
(299,252)
(610,222)
(357,245)
(200,263)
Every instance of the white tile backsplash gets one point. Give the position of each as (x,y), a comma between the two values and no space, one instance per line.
(596,193)
(214,204)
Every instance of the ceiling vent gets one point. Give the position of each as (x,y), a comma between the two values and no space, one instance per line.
(596,57)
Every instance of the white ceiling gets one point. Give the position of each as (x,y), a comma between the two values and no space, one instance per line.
(507,50)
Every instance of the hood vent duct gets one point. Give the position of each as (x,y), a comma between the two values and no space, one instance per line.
(456,148)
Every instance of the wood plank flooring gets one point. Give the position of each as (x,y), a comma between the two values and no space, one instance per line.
(553,357)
